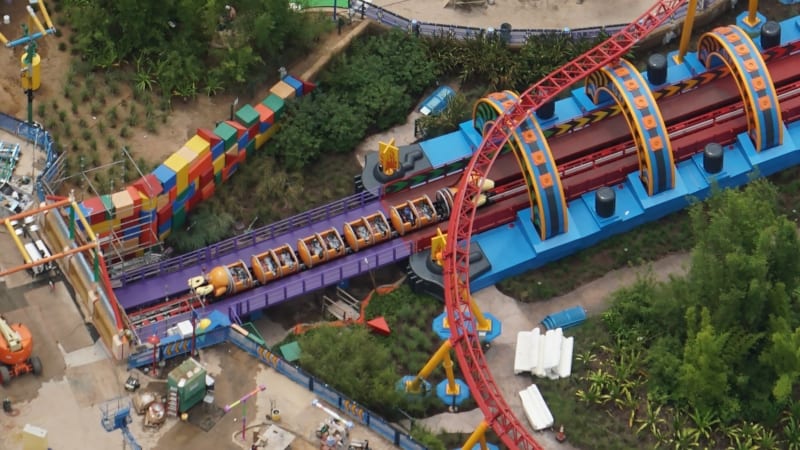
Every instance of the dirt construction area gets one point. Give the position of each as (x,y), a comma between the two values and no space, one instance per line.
(79,377)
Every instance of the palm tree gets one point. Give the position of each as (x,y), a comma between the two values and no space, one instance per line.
(586,357)
(143,78)
(627,401)
(733,433)
(742,443)
(750,432)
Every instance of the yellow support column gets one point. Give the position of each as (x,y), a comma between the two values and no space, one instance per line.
(414,385)
(686,34)
(479,435)
(45,14)
(84,222)
(483,323)
(33,20)
(752,14)
(21,247)
(452,387)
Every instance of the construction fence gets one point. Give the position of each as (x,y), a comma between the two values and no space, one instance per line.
(366,10)
(43,142)
(174,346)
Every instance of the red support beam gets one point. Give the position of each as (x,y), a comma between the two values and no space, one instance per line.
(466,343)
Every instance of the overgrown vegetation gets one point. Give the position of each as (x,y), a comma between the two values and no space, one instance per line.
(708,360)
(367,367)
(367,90)
(184,48)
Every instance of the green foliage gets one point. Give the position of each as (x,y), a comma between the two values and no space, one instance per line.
(361,366)
(181,47)
(427,438)
(206,226)
(373,365)
(458,110)
(723,339)
(510,69)
(369,89)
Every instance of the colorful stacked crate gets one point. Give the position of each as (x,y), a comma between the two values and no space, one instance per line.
(266,124)
(99,219)
(232,154)
(296,84)
(284,90)
(276,105)
(155,204)
(248,117)
(127,214)
(228,135)
(217,154)
(168,179)
(149,189)
(201,172)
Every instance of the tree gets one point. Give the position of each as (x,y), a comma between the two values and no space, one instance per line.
(184,42)
(724,338)
(703,377)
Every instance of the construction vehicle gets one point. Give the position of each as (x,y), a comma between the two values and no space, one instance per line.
(16,346)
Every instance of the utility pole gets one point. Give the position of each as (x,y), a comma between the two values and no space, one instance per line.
(27,80)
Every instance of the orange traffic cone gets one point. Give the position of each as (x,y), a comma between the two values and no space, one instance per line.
(560,436)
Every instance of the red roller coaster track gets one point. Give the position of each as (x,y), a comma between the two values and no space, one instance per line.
(464,336)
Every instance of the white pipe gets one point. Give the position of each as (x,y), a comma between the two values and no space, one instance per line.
(331,413)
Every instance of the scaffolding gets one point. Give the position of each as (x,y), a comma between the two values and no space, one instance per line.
(119,254)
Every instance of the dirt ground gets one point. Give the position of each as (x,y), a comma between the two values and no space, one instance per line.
(79,377)
(530,14)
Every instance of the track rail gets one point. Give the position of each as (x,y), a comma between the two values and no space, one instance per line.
(464,336)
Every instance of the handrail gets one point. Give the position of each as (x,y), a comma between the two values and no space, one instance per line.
(516,36)
(248,239)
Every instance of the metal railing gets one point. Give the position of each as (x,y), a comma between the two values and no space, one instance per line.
(176,346)
(42,141)
(514,36)
(267,232)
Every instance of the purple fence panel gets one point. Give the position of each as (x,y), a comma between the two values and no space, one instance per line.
(261,234)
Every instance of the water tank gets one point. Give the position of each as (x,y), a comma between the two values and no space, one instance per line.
(770,34)
(657,69)
(34,77)
(713,158)
(605,202)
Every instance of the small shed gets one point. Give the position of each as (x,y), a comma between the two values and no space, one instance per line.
(190,381)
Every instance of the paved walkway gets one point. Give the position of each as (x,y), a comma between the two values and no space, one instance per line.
(516,317)
(530,14)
